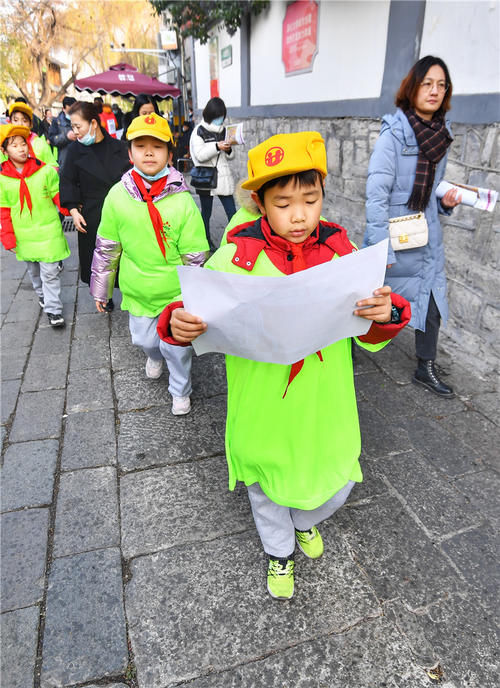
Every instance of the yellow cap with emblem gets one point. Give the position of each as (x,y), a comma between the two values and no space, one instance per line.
(149,125)
(285,154)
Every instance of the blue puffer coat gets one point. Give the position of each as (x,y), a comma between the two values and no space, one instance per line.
(417,272)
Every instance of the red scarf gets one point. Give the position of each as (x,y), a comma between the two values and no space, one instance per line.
(299,263)
(31,166)
(148,196)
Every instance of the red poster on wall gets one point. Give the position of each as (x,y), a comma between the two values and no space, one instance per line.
(300,36)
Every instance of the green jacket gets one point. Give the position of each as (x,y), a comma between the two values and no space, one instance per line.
(36,235)
(301,448)
(148,281)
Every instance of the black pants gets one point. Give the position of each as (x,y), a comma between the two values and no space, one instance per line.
(426,342)
(207,202)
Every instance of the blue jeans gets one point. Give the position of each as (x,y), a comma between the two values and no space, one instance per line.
(207,202)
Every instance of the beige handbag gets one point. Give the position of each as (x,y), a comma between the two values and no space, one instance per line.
(408,231)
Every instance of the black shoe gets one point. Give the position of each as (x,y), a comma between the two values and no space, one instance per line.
(55,320)
(426,375)
(109,307)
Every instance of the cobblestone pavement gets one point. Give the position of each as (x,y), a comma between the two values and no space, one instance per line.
(126,561)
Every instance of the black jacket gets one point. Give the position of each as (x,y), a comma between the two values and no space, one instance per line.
(58,135)
(88,174)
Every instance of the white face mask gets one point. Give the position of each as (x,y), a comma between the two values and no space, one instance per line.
(153,177)
(88,139)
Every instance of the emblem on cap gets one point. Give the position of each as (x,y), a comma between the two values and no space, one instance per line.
(150,120)
(274,156)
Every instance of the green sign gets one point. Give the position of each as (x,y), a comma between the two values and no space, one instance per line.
(226,56)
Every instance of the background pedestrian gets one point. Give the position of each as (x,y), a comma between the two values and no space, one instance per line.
(60,132)
(94,162)
(208,148)
(407,164)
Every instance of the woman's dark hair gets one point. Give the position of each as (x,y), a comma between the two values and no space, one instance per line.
(87,111)
(213,109)
(305,178)
(141,100)
(405,97)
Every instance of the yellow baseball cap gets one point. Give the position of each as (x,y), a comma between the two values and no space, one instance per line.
(285,154)
(22,107)
(8,130)
(149,125)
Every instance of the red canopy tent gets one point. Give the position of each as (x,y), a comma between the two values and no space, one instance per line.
(124,80)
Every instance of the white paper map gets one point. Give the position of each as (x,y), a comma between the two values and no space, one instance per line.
(283,319)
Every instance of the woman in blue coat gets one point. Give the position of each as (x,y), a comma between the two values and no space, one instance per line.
(407,164)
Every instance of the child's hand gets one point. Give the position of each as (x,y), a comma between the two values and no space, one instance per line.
(381,306)
(186,327)
(101,306)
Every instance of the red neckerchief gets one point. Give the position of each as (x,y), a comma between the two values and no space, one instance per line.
(305,255)
(31,166)
(287,257)
(298,263)
(156,189)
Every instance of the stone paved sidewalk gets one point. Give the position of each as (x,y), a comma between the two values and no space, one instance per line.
(126,561)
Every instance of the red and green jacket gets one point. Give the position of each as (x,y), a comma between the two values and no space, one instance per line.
(303,446)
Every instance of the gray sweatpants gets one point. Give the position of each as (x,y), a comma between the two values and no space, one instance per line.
(47,284)
(178,358)
(276,524)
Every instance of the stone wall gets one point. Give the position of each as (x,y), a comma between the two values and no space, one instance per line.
(472,237)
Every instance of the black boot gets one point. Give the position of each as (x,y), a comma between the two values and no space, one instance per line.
(426,375)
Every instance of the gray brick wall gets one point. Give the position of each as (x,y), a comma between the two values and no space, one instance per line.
(472,237)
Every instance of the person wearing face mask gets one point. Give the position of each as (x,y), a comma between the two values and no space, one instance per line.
(94,163)
(208,148)
(60,133)
(150,225)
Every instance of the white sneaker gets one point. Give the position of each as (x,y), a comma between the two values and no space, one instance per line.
(181,406)
(154,368)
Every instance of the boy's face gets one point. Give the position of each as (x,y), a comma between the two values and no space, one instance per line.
(20,118)
(17,150)
(148,154)
(292,211)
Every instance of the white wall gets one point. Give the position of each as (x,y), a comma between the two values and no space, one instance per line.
(349,64)
(202,74)
(466,35)
(229,77)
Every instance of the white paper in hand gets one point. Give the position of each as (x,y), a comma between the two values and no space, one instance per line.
(283,319)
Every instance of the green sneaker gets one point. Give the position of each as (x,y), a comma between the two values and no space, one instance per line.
(280,578)
(310,542)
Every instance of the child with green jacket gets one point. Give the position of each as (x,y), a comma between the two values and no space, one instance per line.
(29,217)
(149,225)
(292,432)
